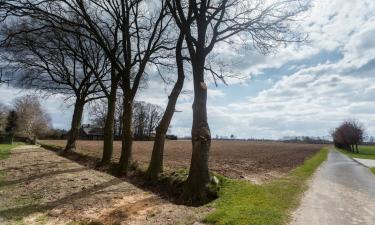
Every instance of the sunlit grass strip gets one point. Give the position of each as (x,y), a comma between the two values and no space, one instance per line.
(242,203)
(4,153)
(365,152)
(5,149)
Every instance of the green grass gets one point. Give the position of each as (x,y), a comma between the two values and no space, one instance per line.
(4,153)
(365,152)
(243,203)
(25,205)
(5,149)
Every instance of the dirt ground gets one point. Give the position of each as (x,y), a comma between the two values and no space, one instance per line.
(40,187)
(254,161)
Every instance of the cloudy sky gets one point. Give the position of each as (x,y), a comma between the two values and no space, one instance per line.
(299,90)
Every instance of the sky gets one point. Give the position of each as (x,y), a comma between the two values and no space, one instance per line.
(302,89)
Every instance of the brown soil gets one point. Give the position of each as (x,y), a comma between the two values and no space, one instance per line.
(254,161)
(41,187)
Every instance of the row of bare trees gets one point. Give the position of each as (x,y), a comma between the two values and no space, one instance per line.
(146,117)
(349,135)
(96,49)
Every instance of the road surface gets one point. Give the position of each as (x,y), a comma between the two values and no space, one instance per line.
(342,192)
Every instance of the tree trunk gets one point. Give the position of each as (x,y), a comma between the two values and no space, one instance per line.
(109,127)
(156,163)
(196,184)
(75,125)
(356,147)
(127,137)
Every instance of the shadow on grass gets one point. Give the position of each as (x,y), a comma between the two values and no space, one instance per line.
(25,210)
(40,176)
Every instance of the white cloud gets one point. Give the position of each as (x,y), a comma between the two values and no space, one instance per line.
(314,86)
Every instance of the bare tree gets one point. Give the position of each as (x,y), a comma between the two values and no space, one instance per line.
(156,163)
(98,114)
(32,120)
(129,32)
(11,125)
(206,23)
(58,63)
(3,116)
(145,119)
(359,133)
(349,135)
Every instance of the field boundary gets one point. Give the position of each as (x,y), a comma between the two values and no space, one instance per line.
(168,186)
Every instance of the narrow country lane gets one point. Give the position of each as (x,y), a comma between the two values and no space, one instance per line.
(342,192)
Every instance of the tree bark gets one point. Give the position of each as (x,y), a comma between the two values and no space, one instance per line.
(156,163)
(75,125)
(199,177)
(127,137)
(109,126)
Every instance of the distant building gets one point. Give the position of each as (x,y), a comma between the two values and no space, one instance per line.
(90,132)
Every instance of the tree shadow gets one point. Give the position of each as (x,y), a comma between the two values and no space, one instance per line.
(168,187)
(39,176)
(23,152)
(33,165)
(23,211)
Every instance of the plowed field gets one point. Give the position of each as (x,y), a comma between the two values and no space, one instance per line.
(254,161)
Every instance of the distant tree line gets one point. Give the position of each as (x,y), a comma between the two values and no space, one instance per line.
(306,139)
(349,135)
(146,117)
(370,140)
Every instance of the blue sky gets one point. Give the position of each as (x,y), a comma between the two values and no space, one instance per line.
(303,89)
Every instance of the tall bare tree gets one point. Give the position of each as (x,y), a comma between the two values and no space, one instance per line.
(205,23)
(129,32)
(145,119)
(156,163)
(32,120)
(57,62)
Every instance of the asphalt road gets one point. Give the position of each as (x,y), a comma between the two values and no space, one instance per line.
(341,192)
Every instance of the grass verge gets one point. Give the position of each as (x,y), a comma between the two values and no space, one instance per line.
(5,149)
(4,153)
(241,202)
(365,152)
